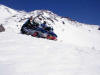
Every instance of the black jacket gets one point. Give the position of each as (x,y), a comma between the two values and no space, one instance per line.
(29,25)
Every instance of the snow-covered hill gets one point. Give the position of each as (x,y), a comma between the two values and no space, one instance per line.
(76,52)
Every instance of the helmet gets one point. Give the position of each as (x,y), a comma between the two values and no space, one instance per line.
(31,18)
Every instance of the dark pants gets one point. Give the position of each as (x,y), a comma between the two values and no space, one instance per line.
(28,31)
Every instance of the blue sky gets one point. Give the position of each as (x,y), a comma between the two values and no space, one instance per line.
(85,11)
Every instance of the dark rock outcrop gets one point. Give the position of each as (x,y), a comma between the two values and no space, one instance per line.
(99,28)
(2,29)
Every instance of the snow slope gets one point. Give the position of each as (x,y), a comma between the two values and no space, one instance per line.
(76,52)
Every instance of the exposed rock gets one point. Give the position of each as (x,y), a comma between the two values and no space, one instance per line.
(99,28)
(2,28)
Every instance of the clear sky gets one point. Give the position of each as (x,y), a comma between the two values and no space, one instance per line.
(85,11)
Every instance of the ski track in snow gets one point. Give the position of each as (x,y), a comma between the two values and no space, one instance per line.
(77,51)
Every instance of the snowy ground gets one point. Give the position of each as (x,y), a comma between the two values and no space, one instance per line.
(77,51)
(45,57)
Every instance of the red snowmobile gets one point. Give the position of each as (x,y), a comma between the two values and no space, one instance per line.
(48,35)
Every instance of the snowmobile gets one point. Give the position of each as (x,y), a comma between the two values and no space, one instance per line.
(41,31)
(48,35)
(44,33)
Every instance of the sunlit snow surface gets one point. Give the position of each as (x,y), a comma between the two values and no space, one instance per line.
(76,52)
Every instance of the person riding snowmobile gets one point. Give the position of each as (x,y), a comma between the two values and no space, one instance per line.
(49,31)
(31,27)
